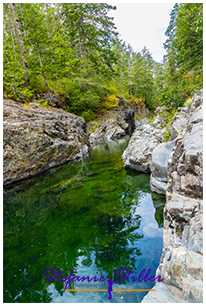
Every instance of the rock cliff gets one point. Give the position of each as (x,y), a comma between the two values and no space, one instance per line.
(138,154)
(116,124)
(159,167)
(181,264)
(37,139)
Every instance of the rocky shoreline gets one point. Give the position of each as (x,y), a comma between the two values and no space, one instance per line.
(176,169)
(37,139)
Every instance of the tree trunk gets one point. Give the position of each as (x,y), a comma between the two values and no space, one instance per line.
(41,65)
(136,88)
(22,17)
(58,9)
(47,22)
(12,84)
(11,29)
(83,36)
(23,53)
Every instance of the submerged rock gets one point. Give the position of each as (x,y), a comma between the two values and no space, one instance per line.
(37,139)
(138,154)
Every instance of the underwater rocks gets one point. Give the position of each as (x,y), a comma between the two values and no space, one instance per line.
(138,154)
(37,139)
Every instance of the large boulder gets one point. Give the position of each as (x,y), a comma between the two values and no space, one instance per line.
(158,167)
(37,139)
(138,154)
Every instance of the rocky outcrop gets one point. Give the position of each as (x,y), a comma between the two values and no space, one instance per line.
(52,99)
(116,124)
(179,122)
(181,264)
(138,154)
(129,119)
(185,164)
(37,139)
(160,116)
(182,257)
(158,167)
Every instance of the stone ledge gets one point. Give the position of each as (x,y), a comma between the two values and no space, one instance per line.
(164,294)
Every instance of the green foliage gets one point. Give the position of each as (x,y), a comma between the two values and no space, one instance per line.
(135,75)
(167,122)
(42,102)
(172,97)
(64,44)
(88,115)
(83,95)
(165,118)
(26,106)
(188,102)
(73,50)
(183,66)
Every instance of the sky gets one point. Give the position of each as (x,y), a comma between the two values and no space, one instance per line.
(143,24)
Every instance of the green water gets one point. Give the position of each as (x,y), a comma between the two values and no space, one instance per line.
(92,216)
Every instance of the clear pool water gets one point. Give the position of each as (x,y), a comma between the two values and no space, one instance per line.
(92,216)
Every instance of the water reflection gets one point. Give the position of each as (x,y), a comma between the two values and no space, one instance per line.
(94,216)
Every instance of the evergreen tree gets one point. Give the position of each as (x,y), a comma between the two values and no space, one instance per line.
(184,59)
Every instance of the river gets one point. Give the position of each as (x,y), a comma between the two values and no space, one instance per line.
(91,216)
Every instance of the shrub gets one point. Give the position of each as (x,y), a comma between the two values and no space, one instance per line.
(88,115)
(42,102)
(188,102)
(111,101)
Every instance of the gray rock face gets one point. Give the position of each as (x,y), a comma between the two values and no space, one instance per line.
(138,154)
(116,125)
(37,139)
(160,115)
(129,118)
(157,186)
(182,257)
(197,100)
(185,164)
(179,122)
(52,99)
(158,166)
(181,264)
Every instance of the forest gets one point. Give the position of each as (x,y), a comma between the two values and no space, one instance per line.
(74,51)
